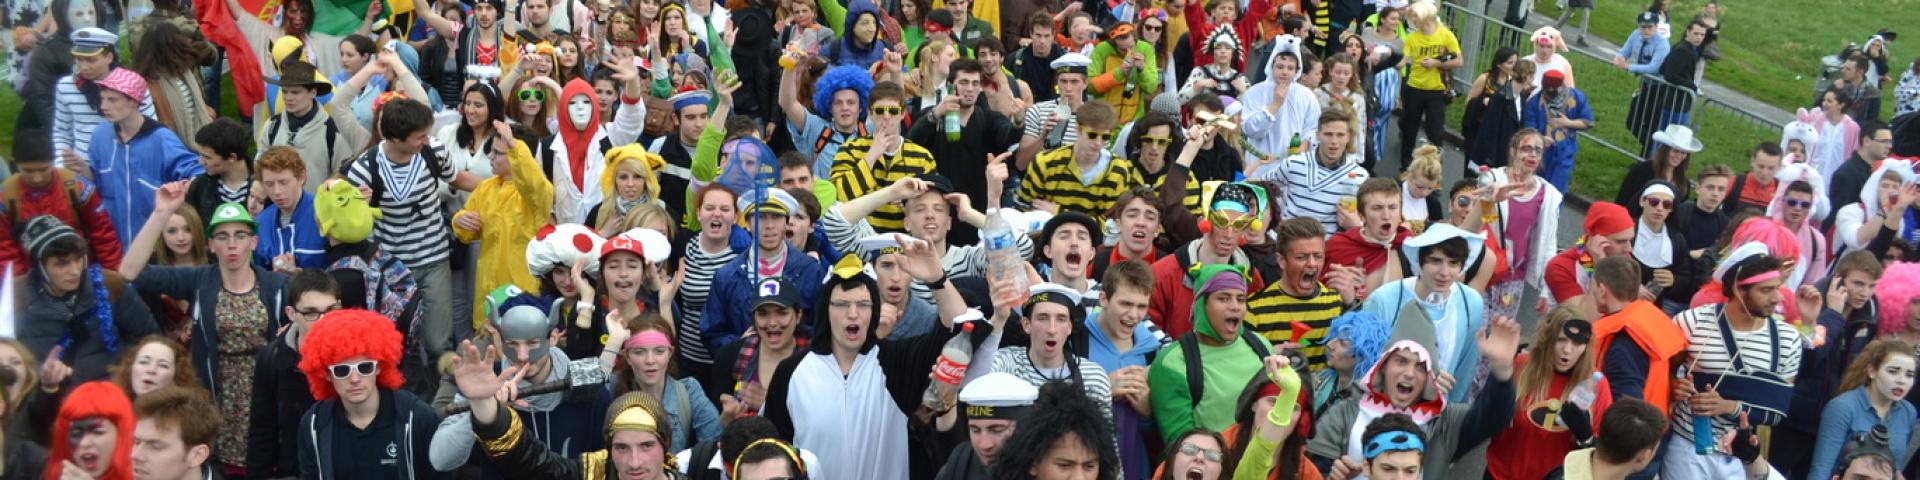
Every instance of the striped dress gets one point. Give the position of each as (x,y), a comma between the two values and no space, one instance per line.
(851,174)
(692,299)
(412,227)
(74,119)
(1055,176)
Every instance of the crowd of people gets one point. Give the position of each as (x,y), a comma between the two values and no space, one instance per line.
(959,239)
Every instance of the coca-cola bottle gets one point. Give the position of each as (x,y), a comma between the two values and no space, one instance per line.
(951,369)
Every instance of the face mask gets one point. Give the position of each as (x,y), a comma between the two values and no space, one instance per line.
(580,111)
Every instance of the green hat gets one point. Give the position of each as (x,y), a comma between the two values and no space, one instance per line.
(231,212)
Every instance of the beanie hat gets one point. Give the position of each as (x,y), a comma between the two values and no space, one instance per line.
(42,231)
(343,214)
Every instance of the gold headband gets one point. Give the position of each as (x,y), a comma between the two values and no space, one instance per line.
(634,418)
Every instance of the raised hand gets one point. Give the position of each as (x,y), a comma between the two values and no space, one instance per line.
(726,82)
(1499,341)
(1810,302)
(473,372)
(169,197)
(919,259)
(53,372)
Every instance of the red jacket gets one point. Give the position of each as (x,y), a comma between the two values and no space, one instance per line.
(1171,305)
(22,202)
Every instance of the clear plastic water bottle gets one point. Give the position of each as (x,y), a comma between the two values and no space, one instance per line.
(1486,191)
(955,356)
(1006,271)
(951,124)
(1583,394)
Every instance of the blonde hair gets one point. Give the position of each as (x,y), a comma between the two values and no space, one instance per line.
(609,211)
(1426,164)
(917,81)
(1425,13)
(644,215)
(28,377)
(196,254)
(1534,378)
(1523,71)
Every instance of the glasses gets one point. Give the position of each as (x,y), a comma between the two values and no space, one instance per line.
(842,305)
(1792,203)
(1660,203)
(316,313)
(1212,454)
(533,95)
(1156,141)
(341,371)
(1101,137)
(879,110)
(1148,27)
(1244,223)
(232,237)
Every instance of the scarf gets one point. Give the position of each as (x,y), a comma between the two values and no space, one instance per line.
(102,311)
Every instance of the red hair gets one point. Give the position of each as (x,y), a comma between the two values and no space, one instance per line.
(94,400)
(346,334)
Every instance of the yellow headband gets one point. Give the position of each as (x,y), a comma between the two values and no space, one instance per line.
(792,455)
(634,418)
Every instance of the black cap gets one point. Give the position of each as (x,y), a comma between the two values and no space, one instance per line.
(1577,330)
(1094,229)
(1648,19)
(775,291)
(937,182)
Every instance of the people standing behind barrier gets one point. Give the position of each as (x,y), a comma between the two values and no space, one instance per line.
(1431,50)
(1670,162)
(1493,112)
(1864,91)
(1644,51)
(1846,182)
(1546,57)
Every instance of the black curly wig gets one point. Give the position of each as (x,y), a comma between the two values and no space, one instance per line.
(1062,409)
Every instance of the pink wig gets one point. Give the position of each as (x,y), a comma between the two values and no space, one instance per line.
(345,334)
(1899,286)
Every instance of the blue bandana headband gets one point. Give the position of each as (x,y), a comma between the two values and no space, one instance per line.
(1394,441)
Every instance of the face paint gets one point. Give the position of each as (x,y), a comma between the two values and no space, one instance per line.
(580,111)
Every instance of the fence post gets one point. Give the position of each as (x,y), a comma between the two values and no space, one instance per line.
(1471,30)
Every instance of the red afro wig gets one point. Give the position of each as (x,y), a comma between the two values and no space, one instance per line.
(1899,286)
(346,334)
(94,400)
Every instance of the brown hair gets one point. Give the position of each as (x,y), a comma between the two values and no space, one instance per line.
(1376,185)
(886,90)
(1144,193)
(282,159)
(1857,261)
(1620,274)
(122,371)
(1097,115)
(196,254)
(1712,170)
(1860,372)
(1131,273)
(1298,228)
(1536,376)
(650,320)
(187,408)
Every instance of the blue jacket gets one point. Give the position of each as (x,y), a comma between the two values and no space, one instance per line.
(200,286)
(693,418)
(729,312)
(301,237)
(1850,415)
(128,173)
(1471,311)
(1643,54)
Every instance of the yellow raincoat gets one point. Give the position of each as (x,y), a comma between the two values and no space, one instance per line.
(511,211)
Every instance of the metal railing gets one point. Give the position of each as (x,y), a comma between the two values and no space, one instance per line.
(1627,107)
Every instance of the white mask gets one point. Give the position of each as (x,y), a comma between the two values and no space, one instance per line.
(81,14)
(580,111)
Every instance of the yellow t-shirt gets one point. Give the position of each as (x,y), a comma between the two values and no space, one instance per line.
(1422,46)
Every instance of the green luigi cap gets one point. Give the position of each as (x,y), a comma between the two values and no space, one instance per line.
(231,212)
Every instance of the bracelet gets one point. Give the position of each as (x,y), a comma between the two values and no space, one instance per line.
(937,284)
(583,306)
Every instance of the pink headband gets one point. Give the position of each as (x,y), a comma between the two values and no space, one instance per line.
(1759,278)
(646,339)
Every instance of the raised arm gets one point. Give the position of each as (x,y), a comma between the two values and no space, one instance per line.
(789,94)
(440,25)
(166,200)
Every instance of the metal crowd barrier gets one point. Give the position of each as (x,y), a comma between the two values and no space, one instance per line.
(1627,107)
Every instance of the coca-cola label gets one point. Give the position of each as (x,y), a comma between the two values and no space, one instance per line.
(949,371)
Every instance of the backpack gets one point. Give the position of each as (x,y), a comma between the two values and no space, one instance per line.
(332,132)
(391,291)
(76,200)
(436,167)
(1190,350)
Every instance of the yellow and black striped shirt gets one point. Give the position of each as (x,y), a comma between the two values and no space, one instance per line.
(851,174)
(1054,177)
(1272,312)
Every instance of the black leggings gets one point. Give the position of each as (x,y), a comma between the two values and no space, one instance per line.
(1414,105)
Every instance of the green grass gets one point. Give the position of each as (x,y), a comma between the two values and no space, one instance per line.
(1771,49)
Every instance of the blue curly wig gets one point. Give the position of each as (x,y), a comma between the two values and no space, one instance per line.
(1368,334)
(841,78)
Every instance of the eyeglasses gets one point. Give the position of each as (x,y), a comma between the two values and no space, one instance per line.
(533,95)
(1156,141)
(842,305)
(1660,203)
(1148,27)
(1792,203)
(1244,223)
(232,237)
(1097,136)
(316,313)
(1212,454)
(341,371)
(879,110)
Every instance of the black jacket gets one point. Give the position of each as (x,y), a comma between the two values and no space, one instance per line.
(24,460)
(414,423)
(965,162)
(280,398)
(1844,188)
(529,458)
(200,284)
(203,194)
(1638,176)
(43,324)
(1687,274)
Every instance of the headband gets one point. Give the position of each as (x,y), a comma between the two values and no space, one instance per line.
(647,339)
(1653,188)
(634,418)
(792,455)
(1770,275)
(1394,441)
(934,27)
(1119,30)
(1224,281)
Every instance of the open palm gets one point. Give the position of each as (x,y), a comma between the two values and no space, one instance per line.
(473,372)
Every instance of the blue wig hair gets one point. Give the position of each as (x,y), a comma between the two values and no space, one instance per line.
(1368,334)
(839,78)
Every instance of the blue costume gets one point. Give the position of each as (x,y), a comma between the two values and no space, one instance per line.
(1556,163)
(128,173)
(298,235)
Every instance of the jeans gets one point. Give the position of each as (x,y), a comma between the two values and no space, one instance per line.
(436,283)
